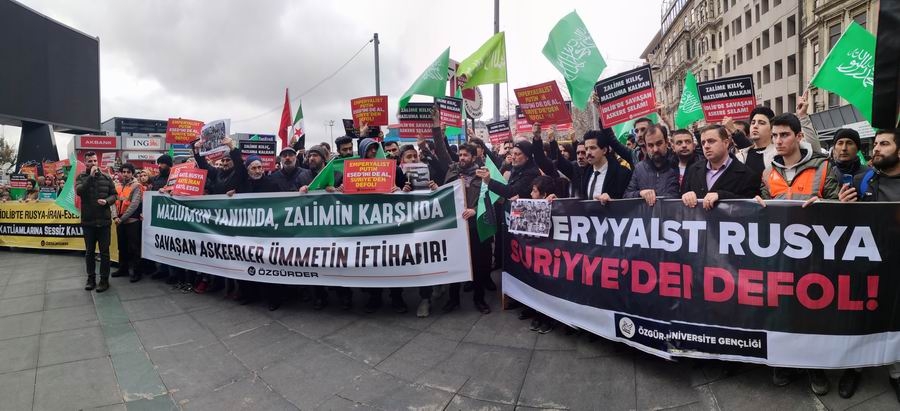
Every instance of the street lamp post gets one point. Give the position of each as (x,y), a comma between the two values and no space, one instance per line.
(331,126)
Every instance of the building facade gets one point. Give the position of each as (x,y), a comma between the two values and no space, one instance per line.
(778,42)
(823,22)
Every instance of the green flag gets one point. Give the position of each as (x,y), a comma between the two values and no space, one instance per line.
(484,212)
(380,153)
(572,51)
(325,178)
(66,197)
(689,109)
(433,82)
(621,130)
(849,69)
(487,65)
(299,115)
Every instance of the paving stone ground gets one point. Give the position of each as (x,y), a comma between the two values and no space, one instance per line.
(144,346)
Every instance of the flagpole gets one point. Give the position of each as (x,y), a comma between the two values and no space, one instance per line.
(497,85)
(377,69)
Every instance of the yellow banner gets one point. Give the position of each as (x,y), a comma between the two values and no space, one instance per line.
(44,225)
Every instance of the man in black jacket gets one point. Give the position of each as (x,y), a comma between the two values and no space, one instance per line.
(524,170)
(685,147)
(844,154)
(291,176)
(174,274)
(721,176)
(164,162)
(604,178)
(881,182)
(480,252)
(98,193)
(231,177)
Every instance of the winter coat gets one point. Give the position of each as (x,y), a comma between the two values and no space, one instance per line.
(92,188)
(663,180)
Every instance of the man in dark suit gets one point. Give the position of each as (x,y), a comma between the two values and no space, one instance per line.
(720,177)
(603,178)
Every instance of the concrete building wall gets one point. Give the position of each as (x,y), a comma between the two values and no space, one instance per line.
(772,40)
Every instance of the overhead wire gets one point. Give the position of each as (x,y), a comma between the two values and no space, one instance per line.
(311,89)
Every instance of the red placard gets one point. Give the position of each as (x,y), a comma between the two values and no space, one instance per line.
(152,169)
(49,168)
(182,131)
(415,120)
(369,175)
(173,173)
(626,96)
(727,97)
(107,160)
(450,110)
(19,180)
(543,103)
(29,170)
(499,132)
(524,126)
(189,182)
(371,110)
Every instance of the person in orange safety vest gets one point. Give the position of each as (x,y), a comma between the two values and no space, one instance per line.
(128,224)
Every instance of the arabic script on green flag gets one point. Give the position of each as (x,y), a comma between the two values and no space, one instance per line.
(572,51)
(849,69)
(689,109)
(433,82)
(487,65)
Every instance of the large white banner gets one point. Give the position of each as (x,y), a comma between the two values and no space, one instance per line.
(359,240)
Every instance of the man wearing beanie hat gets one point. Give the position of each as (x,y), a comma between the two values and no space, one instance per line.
(844,154)
(259,182)
(290,177)
(229,179)
(524,170)
(159,181)
(165,165)
(316,158)
(256,176)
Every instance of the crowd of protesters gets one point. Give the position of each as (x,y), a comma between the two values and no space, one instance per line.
(766,157)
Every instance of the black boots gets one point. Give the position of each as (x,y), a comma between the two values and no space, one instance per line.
(91,283)
(104,284)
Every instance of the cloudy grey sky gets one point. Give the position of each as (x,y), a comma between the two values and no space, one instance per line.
(233,59)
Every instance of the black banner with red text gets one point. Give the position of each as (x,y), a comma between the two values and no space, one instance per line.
(782,285)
